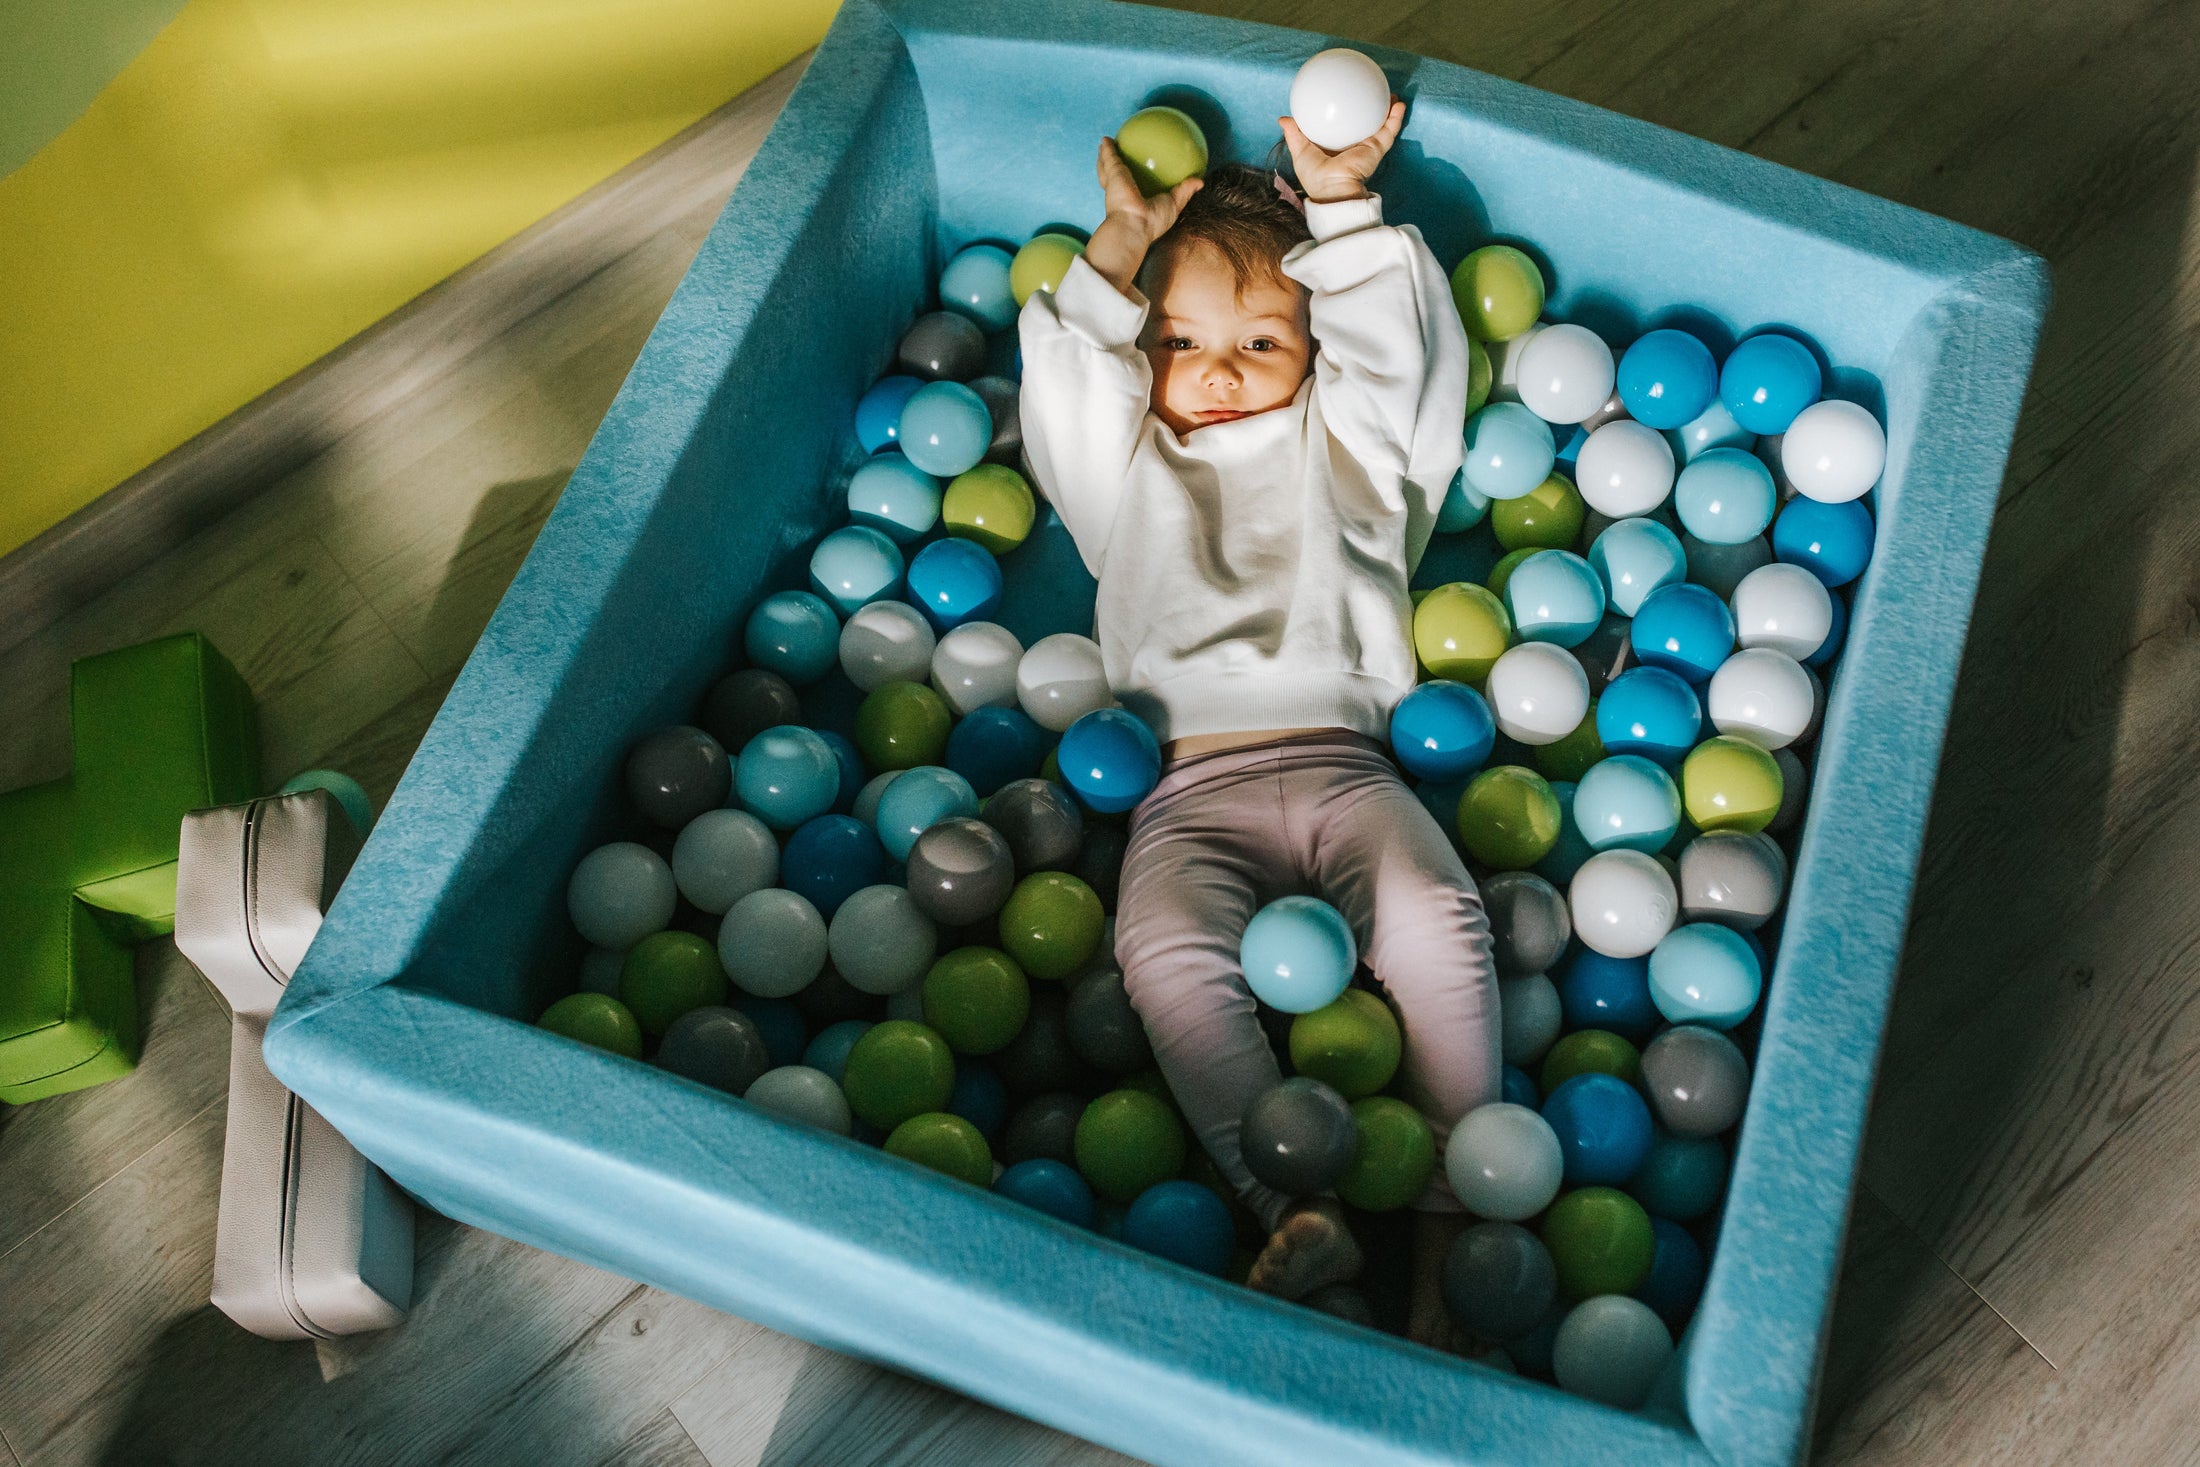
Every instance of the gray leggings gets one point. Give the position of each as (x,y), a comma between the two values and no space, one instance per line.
(1328,815)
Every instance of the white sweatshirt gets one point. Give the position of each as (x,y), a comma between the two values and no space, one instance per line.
(1253,573)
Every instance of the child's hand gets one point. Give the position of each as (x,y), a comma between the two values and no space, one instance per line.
(1325,177)
(1134,221)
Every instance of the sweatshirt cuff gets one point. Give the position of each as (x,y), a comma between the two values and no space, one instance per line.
(1327,221)
(1096,310)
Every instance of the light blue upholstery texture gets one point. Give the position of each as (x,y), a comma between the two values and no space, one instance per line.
(922,125)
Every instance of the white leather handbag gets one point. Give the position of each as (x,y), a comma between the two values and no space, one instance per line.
(311,1240)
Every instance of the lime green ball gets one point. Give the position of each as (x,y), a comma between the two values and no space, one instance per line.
(1352,1045)
(901,725)
(990,504)
(1587,1052)
(1501,574)
(977,999)
(1509,817)
(1571,757)
(1126,1142)
(1601,1241)
(1479,376)
(945,1143)
(1547,517)
(1460,630)
(1163,148)
(1041,264)
(1395,1159)
(898,1069)
(668,973)
(1052,924)
(1730,784)
(595,1018)
(1499,292)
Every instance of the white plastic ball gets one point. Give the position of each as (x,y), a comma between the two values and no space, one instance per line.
(801,1093)
(1624,469)
(1623,903)
(620,894)
(1612,1349)
(1538,692)
(886,642)
(1530,1017)
(1339,98)
(1060,680)
(974,666)
(1783,607)
(867,798)
(880,942)
(772,943)
(1566,374)
(1763,696)
(722,856)
(1833,451)
(1504,1162)
(1505,364)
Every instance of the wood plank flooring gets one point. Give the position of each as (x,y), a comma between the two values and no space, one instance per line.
(2023,1273)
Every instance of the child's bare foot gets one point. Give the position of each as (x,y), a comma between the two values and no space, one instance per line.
(1311,1247)
(1428,1319)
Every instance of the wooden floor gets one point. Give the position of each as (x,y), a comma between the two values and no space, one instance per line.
(2023,1282)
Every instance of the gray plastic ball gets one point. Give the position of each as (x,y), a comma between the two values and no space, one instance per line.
(1045,1127)
(1697,1080)
(1041,823)
(1794,793)
(718,1047)
(1720,568)
(880,942)
(1529,922)
(941,346)
(801,1093)
(743,704)
(1104,1030)
(1342,1301)
(961,870)
(1298,1137)
(621,893)
(1733,879)
(1499,1280)
(675,774)
(1100,863)
(1604,654)
(722,856)
(1530,1017)
(1000,397)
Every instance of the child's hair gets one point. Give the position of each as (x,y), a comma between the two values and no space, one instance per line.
(1242,217)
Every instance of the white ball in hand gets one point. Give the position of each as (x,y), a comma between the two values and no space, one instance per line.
(1339,98)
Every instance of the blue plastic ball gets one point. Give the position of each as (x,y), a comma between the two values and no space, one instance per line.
(793,634)
(1838,629)
(1651,712)
(1597,992)
(1667,378)
(1684,629)
(1569,452)
(1682,1177)
(1831,541)
(1110,759)
(1767,380)
(1570,852)
(1713,428)
(829,859)
(784,1029)
(979,1097)
(1297,954)
(1626,802)
(1051,1187)
(991,746)
(1703,973)
(1509,451)
(1442,731)
(878,412)
(1515,1088)
(945,428)
(895,497)
(851,770)
(787,775)
(1603,1129)
(953,581)
(829,1050)
(854,566)
(1554,596)
(1676,1277)
(1183,1222)
(919,799)
(1635,557)
(975,284)
(1725,497)
(1463,506)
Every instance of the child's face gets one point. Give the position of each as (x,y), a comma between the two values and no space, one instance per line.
(1219,352)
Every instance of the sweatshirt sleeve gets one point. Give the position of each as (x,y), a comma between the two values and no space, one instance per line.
(1086,388)
(1391,374)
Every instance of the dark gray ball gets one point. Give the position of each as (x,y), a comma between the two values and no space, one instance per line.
(675,774)
(1040,1058)
(1299,1137)
(942,347)
(1604,654)
(1100,863)
(1104,1030)
(1041,823)
(1000,397)
(1720,568)
(1342,1301)
(960,871)
(718,1047)
(743,704)
(1794,793)
(1529,922)
(1697,1080)
(1044,1127)
(1499,1280)
(1732,878)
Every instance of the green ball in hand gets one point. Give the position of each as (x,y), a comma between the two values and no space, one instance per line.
(1163,148)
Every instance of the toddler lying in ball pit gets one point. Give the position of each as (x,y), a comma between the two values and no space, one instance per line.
(1247,418)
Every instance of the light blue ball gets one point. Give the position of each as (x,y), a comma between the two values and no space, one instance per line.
(1667,378)
(1050,1186)
(1110,759)
(919,799)
(953,581)
(1625,802)
(1725,497)
(1183,1222)
(828,1052)
(1298,953)
(854,566)
(1831,541)
(1651,712)
(1706,974)
(787,775)
(1635,557)
(878,411)
(1767,380)
(1554,597)
(1713,428)
(1442,731)
(895,497)
(1684,629)
(1570,852)
(1509,451)
(1682,1176)
(348,793)
(975,284)
(945,428)
(1463,507)
(793,634)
